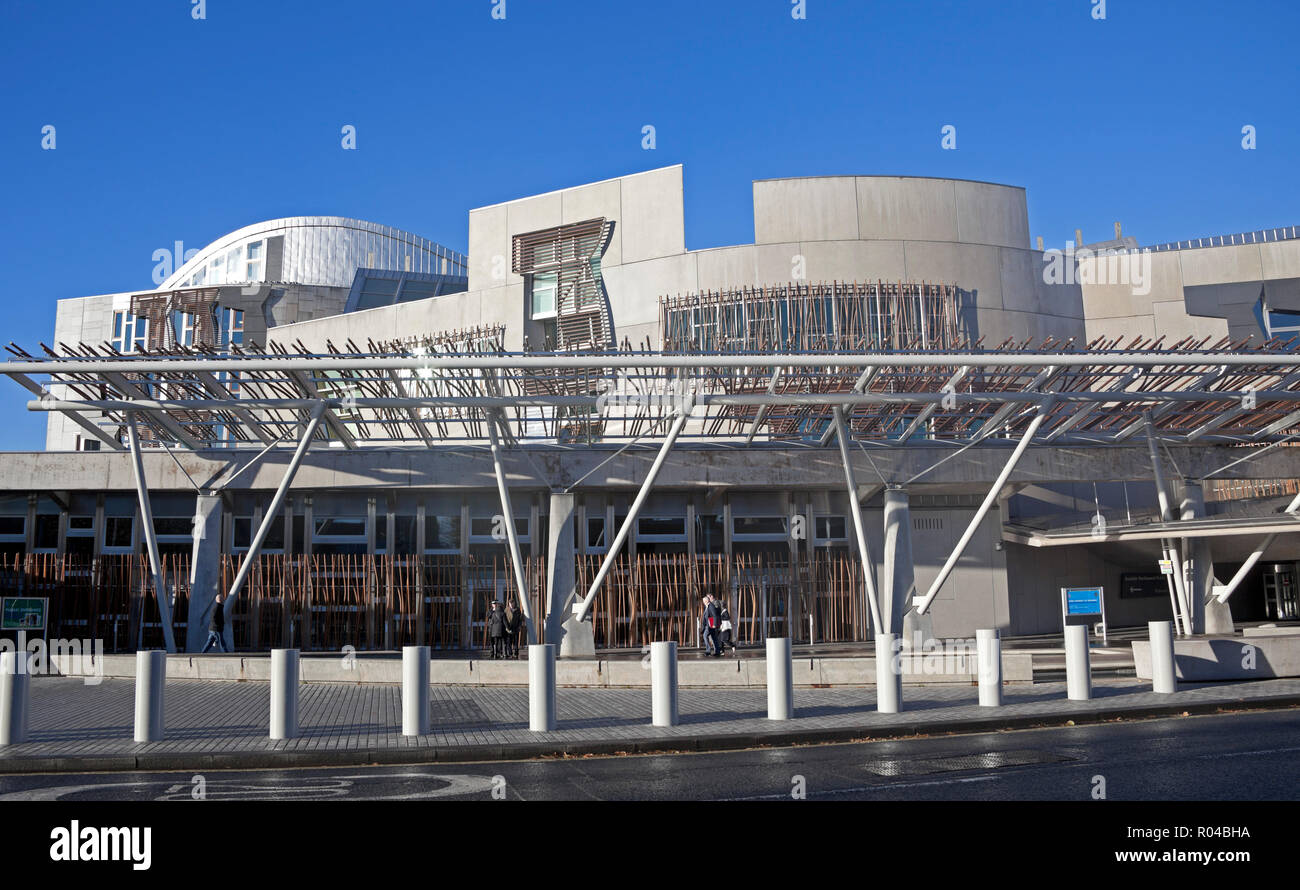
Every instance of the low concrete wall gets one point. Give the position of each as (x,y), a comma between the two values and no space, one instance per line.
(1017,667)
(1271,631)
(1260,657)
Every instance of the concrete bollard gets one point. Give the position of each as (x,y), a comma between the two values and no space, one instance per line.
(988,657)
(541,687)
(415,690)
(1078,663)
(1164,674)
(284,693)
(780,679)
(14,696)
(150,681)
(663,680)
(889,673)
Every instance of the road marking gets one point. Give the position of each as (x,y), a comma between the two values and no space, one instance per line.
(315,788)
(1249,753)
(888,787)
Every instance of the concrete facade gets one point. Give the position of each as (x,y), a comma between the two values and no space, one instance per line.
(971,235)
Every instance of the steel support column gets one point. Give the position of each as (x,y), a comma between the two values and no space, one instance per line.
(583,609)
(859,527)
(1177,591)
(983,510)
(1227,590)
(272,516)
(150,536)
(516,559)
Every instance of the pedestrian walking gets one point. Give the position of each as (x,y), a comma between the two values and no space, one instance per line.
(711,625)
(496,624)
(514,623)
(217,626)
(725,629)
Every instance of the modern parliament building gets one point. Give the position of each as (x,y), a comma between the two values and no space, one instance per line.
(333,419)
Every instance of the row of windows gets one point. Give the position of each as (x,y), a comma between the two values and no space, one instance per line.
(237,265)
(131,333)
(347,534)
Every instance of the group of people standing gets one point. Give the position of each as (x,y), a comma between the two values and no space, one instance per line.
(715,627)
(504,626)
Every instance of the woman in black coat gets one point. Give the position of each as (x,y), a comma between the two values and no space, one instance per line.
(496,624)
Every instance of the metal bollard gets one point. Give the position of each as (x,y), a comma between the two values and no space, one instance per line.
(1078,663)
(1164,674)
(780,679)
(284,693)
(14,696)
(150,681)
(889,673)
(415,690)
(541,687)
(663,679)
(988,656)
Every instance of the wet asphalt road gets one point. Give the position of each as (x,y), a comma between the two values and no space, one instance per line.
(1251,756)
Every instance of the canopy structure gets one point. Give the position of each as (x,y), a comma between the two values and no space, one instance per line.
(420,397)
(411,397)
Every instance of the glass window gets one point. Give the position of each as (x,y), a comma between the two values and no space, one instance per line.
(596,531)
(173,525)
(758,525)
(234,261)
(341,526)
(129,333)
(117,531)
(13,525)
(709,536)
(831,528)
(183,327)
(441,532)
(657,527)
(485,528)
(81,523)
(542,294)
(404,533)
(232,326)
(47,531)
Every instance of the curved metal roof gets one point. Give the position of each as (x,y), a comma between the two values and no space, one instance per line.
(328,250)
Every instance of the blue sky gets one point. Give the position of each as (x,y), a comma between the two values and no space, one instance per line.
(173,129)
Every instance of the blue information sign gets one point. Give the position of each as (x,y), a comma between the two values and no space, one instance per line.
(1083,601)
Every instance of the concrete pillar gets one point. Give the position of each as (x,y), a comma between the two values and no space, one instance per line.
(780,679)
(14,697)
(150,681)
(205,571)
(415,690)
(541,687)
(988,655)
(284,693)
(663,681)
(576,639)
(1078,663)
(900,581)
(1164,676)
(1216,618)
(889,673)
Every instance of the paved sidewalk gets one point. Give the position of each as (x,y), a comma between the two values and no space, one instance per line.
(216,725)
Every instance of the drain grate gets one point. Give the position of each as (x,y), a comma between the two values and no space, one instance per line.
(456,712)
(992,760)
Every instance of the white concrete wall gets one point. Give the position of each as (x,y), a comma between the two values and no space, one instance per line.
(971,234)
(1120,310)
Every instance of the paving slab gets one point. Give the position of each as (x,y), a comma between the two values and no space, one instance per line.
(224,724)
